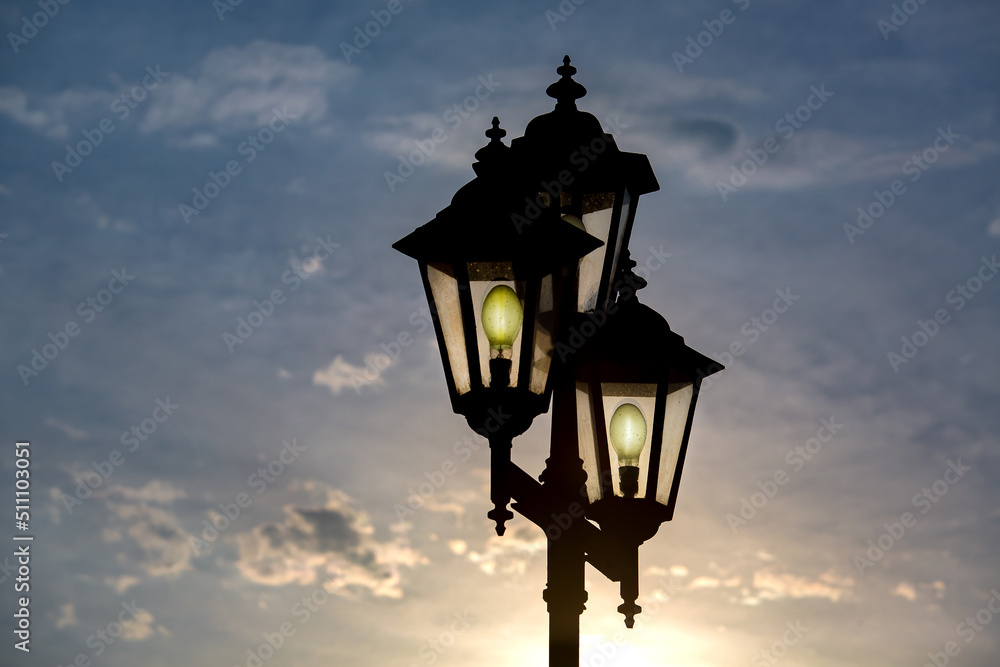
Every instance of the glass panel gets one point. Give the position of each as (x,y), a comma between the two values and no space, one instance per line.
(619,238)
(444,291)
(643,397)
(587,437)
(597,210)
(675,421)
(543,346)
(483,277)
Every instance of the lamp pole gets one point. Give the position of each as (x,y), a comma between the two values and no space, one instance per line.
(565,592)
(532,295)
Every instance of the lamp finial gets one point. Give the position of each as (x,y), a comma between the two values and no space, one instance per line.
(566,91)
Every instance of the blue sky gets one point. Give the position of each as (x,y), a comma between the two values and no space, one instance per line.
(766,138)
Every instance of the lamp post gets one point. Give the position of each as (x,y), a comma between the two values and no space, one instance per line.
(532,294)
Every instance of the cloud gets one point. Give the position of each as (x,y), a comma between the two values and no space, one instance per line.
(49,115)
(71,432)
(648,84)
(235,89)
(448,501)
(155,491)
(713,136)
(333,544)
(399,135)
(772,586)
(340,374)
(67,616)
(163,544)
(705,582)
(905,590)
(196,140)
(511,553)
(238,88)
(121,584)
(142,627)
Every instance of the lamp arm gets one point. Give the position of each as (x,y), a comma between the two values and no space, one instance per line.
(538,505)
(500,468)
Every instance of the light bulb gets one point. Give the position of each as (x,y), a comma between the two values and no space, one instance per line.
(628,434)
(501,316)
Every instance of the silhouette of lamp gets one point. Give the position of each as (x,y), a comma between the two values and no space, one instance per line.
(532,296)
(495,291)
(578,168)
(635,394)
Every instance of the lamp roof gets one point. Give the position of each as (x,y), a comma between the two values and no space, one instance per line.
(637,345)
(497,217)
(563,138)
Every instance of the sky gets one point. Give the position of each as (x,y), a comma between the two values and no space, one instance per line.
(202,312)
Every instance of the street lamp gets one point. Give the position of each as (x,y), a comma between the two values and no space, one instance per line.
(635,393)
(496,298)
(528,255)
(578,168)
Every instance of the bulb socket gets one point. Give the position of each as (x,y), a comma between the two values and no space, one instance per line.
(628,476)
(500,373)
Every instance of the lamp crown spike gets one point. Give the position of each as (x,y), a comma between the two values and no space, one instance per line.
(566,91)
(495,133)
(490,155)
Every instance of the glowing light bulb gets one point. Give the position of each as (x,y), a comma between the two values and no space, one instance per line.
(628,434)
(501,316)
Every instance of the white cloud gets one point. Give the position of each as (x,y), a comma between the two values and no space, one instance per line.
(67,616)
(164,544)
(155,491)
(511,553)
(905,590)
(121,584)
(705,582)
(142,627)
(449,502)
(71,432)
(772,586)
(196,140)
(237,89)
(340,374)
(49,114)
(398,135)
(332,544)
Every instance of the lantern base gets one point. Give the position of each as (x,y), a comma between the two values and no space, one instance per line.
(629,521)
(500,411)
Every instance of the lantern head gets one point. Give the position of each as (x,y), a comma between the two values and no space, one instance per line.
(496,286)
(636,390)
